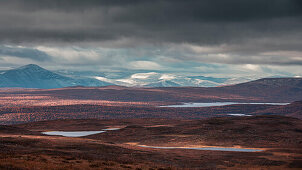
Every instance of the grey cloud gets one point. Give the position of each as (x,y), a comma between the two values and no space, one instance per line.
(193,21)
(247,28)
(24,53)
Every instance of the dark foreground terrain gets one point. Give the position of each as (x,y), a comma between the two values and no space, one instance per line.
(280,138)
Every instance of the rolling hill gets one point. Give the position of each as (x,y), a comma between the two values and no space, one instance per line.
(34,76)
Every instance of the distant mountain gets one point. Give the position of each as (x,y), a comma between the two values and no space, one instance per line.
(213,79)
(158,79)
(163,83)
(276,89)
(272,92)
(267,85)
(34,76)
(273,82)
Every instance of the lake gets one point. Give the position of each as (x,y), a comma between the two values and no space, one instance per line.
(238,114)
(72,134)
(77,133)
(217,104)
(206,148)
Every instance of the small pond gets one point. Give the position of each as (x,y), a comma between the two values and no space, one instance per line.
(217,104)
(77,133)
(238,114)
(206,148)
(72,134)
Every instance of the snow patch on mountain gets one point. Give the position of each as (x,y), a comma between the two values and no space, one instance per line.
(167,77)
(144,75)
(154,79)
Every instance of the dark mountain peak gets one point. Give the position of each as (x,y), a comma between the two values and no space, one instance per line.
(34,76)
(30,67)
(31,71)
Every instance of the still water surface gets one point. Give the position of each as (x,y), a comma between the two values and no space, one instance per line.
(206,148)
(216,104)
(77,133)
(72,134)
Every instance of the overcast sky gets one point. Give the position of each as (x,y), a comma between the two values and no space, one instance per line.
(219,37)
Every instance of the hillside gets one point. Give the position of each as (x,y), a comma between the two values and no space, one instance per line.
(254,131)
(4,129)
(273,87)
(34,76)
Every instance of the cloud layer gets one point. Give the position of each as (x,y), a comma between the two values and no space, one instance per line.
(191,21)
(157,34)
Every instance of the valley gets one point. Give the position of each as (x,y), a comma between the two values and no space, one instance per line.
(253,125)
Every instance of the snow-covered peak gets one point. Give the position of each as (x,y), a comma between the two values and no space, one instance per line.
(167,77)
(143,75)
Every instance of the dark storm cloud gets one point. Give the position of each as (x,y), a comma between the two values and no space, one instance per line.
(21,52)
(246,30)
(206,21)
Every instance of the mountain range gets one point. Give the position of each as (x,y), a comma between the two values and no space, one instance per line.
(34,76)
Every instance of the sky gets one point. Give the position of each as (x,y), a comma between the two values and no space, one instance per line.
(208,37)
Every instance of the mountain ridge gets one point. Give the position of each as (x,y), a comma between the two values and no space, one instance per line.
(34,76)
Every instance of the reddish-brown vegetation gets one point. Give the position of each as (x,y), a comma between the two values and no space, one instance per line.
(294,110)
(135,111)
(13,115)
(279,137)
(38,113)
(255,131)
